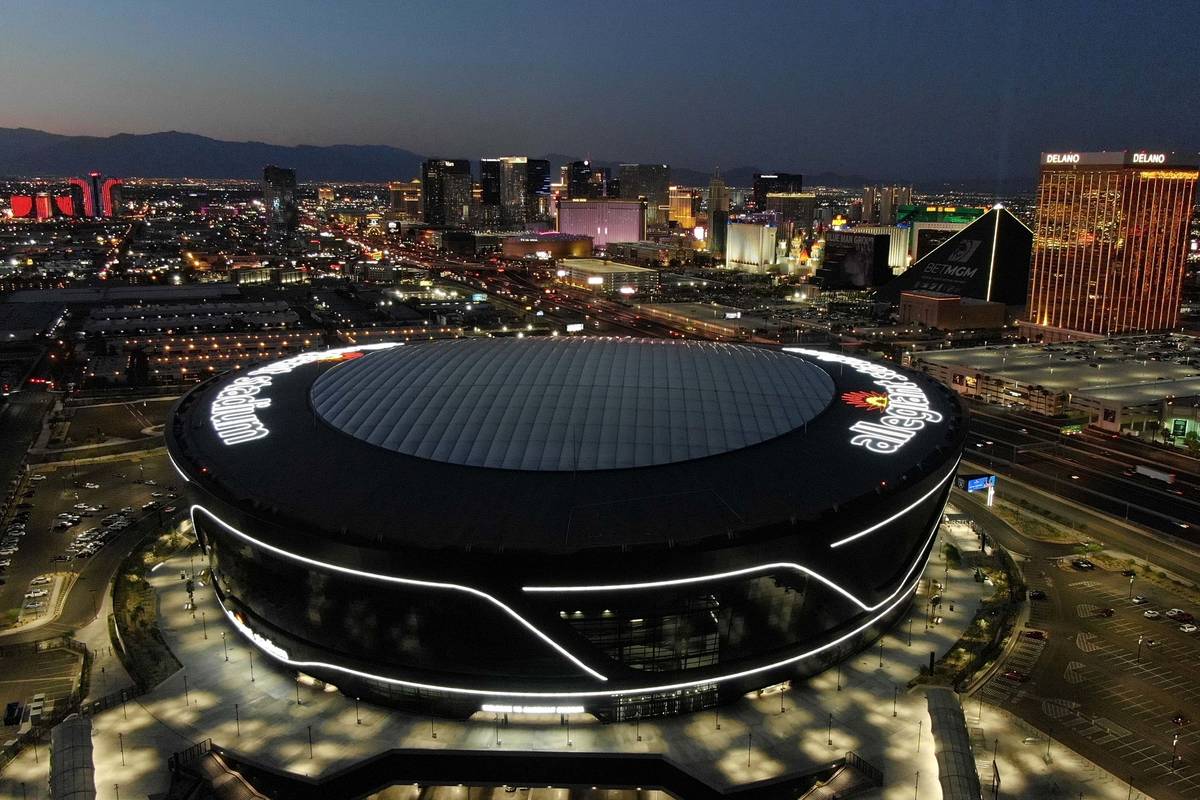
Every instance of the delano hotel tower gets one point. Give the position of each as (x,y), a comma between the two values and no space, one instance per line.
(1109,244)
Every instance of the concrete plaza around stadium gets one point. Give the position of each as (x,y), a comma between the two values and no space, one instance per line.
(754,739)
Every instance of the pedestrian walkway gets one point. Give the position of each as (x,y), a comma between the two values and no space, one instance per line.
(248,704)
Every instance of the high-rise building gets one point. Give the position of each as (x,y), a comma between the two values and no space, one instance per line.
(1109,247)
(605,220)
(649,182)
(446,191)
(586,181)
(537,188)
(750,246)
(683,204)
(718,214)
(868,206)
(95,195)
(279,196)
(325,194)
(489,184)
(404,198)
(513,191)
(775,183)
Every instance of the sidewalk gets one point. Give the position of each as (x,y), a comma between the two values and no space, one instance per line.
(760,737)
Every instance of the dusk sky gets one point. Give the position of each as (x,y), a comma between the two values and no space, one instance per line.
(919,91)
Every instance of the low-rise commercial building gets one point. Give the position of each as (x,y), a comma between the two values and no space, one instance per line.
(612,277)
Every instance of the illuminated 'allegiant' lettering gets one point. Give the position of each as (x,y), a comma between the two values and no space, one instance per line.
(907,411)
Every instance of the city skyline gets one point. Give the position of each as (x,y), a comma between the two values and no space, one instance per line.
(938,97)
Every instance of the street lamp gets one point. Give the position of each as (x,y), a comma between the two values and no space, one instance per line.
(1141,638)
(1131,577)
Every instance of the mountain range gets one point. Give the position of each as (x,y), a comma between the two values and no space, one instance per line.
(25,152)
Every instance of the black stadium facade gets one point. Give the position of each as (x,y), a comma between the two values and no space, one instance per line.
(624,527)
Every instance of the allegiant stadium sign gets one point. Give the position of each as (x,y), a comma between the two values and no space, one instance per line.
(904,415)
(234,411)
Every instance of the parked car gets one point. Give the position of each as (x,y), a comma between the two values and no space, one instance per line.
(91,485)
(1037,594)
(1187,627)
(1016,675)
(38,477)
(1151,614)
(1140,600)
(1083,564)
(1106,612)
(1034,634)
(1179,615)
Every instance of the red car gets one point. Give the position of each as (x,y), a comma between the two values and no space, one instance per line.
(1039,635)
(1016,676)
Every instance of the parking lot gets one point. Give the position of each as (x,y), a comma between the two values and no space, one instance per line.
(47,547)
(117,420)
(1091,684)
(53,672)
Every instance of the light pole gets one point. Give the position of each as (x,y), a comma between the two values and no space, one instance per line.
(881,652)
(1131,577)
(357,716)
(1174,750)
(237,719)
(895,695)
(251,652)
(225,645)
(1141,638)
(839,676)
(203,625)
(749,739)
(310,749)
(186,700)
(920,725)
(121,744)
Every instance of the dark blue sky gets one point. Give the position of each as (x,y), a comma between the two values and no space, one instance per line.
(909,90)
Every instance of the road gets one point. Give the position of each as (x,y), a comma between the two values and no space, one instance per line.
(1088,686)
(20,422)
(1090,471)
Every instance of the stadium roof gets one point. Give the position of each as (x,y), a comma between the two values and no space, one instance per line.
(570,404)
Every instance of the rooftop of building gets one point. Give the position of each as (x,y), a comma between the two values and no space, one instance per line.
(1129,367)
(600,266)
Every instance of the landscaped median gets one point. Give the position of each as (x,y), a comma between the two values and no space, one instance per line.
(993,623)
(144,653)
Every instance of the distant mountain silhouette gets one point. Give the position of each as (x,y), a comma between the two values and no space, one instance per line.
(178,155)
(28,152)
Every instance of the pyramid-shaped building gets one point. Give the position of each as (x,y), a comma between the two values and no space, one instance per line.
(987,260)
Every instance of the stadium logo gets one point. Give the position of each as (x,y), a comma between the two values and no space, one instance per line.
(905,410)
(234,411)
(867,401)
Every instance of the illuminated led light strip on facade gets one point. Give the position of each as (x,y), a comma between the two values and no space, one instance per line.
(395,579)
(265,644)
(907,412)
(900,593)
(499,708)
(747,571)
(182,474)
(234,411)
(898,514)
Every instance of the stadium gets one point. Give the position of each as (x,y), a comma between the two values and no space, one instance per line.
(623,527)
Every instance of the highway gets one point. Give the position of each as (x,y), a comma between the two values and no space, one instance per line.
(1089,469)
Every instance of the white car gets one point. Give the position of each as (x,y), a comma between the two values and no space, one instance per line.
(6,562)
(40,580)
(1187,627)
(8,551)
(34,605)
(91,485)
(81,506)
(36,593)
(1151,614)
(38,477)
